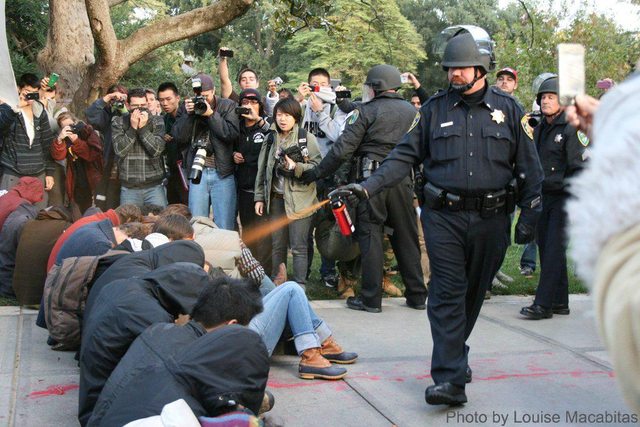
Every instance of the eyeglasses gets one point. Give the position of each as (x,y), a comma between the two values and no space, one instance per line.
(247,101)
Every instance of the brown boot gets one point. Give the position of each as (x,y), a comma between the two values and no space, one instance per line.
(281,277)
(267,402)
(332,351)
(389,288)
(313,365)
(345,287)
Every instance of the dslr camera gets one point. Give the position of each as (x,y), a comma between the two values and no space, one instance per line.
(199,101)
(76,128)
(118,108)
(242,110)
(32,96)
(195,174)
(534,118)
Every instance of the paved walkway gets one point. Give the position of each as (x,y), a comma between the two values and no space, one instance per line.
(524,372)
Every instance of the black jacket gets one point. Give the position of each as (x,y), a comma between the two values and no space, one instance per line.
(222,126)
(140,263)
(249,145)
(561,151)
(122,311)
(169,362)
(9,239)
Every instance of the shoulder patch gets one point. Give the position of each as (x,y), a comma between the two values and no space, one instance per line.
(353,116)
(583,138)
(416,120)
(526,127)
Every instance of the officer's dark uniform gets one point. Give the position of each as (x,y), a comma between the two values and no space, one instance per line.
(562,154)
(372,131)
(471,151)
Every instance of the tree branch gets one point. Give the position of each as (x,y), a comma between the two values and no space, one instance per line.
(102,29)
(185,25)
(115,2)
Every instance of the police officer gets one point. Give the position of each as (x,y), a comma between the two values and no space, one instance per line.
(563,151)
(371,132)
(472,141)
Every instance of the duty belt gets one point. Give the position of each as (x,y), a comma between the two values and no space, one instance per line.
(488,204)
(363,167)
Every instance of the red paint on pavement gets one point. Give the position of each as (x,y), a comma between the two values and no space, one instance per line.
(54,390)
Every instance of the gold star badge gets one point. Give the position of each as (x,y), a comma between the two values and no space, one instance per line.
(497,116)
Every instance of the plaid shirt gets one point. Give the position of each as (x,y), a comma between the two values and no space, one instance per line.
(139,151)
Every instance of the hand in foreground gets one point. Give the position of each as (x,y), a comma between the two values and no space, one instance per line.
(580,115)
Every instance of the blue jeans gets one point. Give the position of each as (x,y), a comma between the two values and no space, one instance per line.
(288,303)
(155,195)
(219,193)
(529,253)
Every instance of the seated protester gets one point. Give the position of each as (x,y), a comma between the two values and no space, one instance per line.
(36,241)
(254,130)
(9,239)
(122,311)
(92,239)
(140,263)
(278,191)
(287,305)
(213,362)
(122,214)
(26,138)
(28,189)
(137,232)
(81,147)
(179,209)
(149,209)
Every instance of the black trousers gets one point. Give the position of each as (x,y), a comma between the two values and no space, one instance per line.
(553,287)
(260,249)
(465,252)
(394,208)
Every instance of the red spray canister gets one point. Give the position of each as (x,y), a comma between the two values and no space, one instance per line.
(339,209)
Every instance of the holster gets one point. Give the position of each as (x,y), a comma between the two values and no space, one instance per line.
(512,196)
(493,203)
(434,197)
(363,167)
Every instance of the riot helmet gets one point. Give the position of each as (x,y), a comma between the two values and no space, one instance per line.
(380,78)
(550,85)
(466,46)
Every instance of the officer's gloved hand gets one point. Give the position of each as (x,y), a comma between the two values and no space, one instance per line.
(358,190)
(525,227)
(310,175)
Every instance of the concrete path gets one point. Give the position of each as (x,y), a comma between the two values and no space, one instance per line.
(552,371)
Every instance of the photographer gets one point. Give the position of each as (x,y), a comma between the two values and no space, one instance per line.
(169,98)
(99,115)
(206,131)
(26,138)
(254,130)
(81,146)
(138,142)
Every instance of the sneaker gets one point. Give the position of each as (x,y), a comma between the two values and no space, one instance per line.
(330,280)
(527,272)
(504,278)
(497,285)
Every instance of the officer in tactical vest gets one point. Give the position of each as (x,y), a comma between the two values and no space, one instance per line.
(371,132)
(473,142)
(563,151)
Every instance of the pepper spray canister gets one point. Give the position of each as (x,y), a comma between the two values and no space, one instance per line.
(339,209)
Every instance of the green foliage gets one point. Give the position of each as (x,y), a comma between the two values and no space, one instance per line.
(27,23)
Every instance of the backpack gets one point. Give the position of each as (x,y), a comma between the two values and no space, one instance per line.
(65,296)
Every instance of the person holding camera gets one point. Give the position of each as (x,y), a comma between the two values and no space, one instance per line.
(81,147)
(247,77)
(138,142)
(254,130)
(205,130)
(279,193)
(26,138)
(99,115)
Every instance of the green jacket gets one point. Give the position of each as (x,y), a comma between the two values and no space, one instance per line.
(297,196)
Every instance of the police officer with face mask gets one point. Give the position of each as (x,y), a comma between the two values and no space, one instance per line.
(372,131)
(473,143)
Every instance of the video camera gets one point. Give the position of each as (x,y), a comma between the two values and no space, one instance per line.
(534,118)
(199,102)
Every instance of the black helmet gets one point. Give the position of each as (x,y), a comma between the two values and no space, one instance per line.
(466,46)
(383,77)
(550,85)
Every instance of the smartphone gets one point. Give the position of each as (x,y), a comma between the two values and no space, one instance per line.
(335,83)
(53,78)
(226,53)
(404,78)
(242,110)
(571,74)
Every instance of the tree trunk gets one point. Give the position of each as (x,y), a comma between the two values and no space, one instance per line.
(69,48)
(78,27)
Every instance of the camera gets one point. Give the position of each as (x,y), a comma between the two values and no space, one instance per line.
(314,88)
(228,53)
(118,108)
(342,94)
(534,118)
(76,128)
(195,174)
(199,102)
(243,110)
(32,96)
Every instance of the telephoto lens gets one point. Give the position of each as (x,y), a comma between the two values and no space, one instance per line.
(198,164)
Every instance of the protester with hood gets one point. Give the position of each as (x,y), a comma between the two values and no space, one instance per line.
(9,239)
(122,311)
(219,363)
(140,263)
(92,239)
(28,190)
